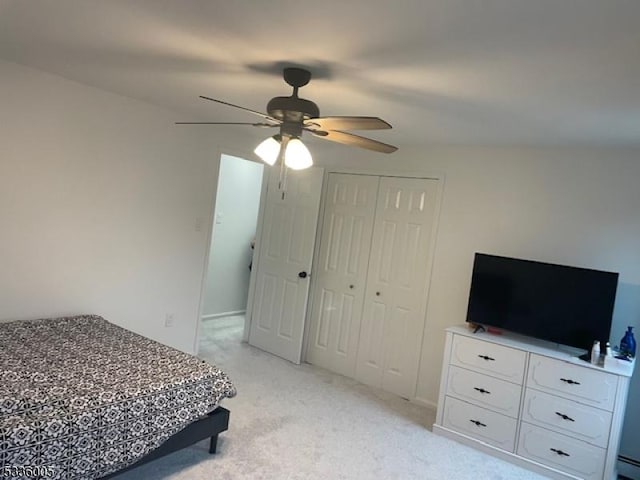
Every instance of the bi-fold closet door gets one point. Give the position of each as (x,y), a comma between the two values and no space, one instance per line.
(369,300)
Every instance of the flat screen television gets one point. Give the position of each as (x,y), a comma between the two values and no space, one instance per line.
(561,304)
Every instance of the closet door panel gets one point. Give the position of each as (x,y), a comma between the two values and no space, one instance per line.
(341,272)
(395,298)
(370,361)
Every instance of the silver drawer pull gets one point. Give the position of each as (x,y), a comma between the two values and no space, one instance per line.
(560,452)
(569,381)
(484,357)
(565,417)
(482,390)
(477,423)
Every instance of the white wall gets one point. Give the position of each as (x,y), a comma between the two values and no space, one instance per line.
(236,216)
(99,199)
(561,205)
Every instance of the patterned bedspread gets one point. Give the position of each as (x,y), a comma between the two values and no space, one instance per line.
(81,398)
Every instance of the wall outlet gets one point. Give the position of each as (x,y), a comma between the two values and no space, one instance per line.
(169,320)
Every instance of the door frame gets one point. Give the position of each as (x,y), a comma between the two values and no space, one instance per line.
(214,174)
(427,174)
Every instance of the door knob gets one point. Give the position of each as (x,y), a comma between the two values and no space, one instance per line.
(351,286)
(303,274)
(377,294)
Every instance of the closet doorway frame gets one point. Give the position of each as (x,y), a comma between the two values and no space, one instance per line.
(439,177)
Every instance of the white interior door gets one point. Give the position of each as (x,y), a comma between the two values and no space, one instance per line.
(341,272)
(396,295)
(285,250)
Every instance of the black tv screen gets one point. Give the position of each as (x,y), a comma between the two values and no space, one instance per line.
(561,304)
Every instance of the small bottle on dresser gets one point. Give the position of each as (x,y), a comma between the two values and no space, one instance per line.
(595,352)
(608,356)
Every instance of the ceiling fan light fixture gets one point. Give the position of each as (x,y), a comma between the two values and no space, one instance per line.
(268,150)
(297,156)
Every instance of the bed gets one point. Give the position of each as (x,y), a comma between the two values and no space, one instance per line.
(81,398)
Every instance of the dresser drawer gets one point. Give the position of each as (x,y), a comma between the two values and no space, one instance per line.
(585,423)
(488,358)
(480,423)
(559,451)
(484,391)
(583,384)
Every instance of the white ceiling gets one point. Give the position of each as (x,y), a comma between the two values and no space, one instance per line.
(498,72)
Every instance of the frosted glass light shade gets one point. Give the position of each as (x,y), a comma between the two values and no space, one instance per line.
(297,155)
(268,150)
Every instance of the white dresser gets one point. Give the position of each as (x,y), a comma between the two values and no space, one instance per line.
(532,404)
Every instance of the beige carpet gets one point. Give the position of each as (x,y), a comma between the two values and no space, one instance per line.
(302,422)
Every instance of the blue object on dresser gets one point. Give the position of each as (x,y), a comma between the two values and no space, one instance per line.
(628,343)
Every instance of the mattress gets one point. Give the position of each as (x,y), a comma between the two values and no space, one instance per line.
(81,397)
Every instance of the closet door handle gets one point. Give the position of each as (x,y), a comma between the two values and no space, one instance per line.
(303,274)
(351,286)
(377,294)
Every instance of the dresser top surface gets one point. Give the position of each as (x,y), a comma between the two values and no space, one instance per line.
(533,345)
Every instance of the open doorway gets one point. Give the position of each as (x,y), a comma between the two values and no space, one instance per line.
(230,256)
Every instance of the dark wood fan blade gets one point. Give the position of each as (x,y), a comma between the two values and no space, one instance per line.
(230,123)
(260,114)
(355,140)
(347,123)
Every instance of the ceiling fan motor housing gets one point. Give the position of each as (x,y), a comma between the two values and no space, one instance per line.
(292,109)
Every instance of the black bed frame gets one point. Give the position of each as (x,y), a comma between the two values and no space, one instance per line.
(207,427)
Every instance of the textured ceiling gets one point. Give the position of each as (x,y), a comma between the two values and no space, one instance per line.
(492,72)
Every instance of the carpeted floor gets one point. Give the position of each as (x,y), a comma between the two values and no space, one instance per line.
(302,422)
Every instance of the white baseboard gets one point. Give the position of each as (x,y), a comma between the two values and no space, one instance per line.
(223,314)
(424,402)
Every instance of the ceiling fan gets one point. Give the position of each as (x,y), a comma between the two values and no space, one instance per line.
(293,115)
